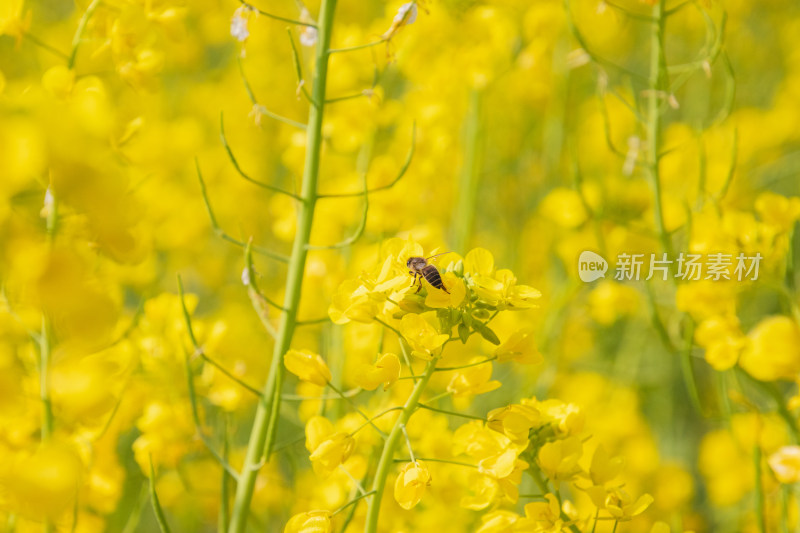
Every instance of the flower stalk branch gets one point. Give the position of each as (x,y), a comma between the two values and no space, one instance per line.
(264,430)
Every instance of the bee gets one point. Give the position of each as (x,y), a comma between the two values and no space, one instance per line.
(418,266)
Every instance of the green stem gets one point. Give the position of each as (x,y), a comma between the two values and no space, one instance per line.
(44,392)
(435,460)
(372,420)
(352,502)
(449,368)
(387,455)
(357,47)
(470,173)
(656,82)
(759,491)
(76,39)
(45,338)
(536,474)
(262,436)
(780,404)
(52,49)
(355,407)
(135,513)
(688,369)
(785,508)
(224,506)
(278,17)
(451,413)
(44,389)
(161,518)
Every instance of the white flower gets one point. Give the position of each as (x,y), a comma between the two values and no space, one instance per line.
(786,464)
(239,22)
(49,203)
(407,14)
(633,154)
(308,37)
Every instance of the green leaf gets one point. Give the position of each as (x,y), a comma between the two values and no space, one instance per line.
(481,314)
(463,333)
(160,517)
(486,332)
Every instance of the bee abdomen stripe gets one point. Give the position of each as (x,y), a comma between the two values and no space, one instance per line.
(432,276)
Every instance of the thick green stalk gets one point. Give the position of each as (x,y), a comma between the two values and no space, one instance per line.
(45,341)
(387,455)
(262,436)
(761,517)
(656,91)
(44,389)
(464,218)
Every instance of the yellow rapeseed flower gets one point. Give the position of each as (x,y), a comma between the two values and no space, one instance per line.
(499,521)
(559,459)
(723,340)
(706,298)
(13,21)
(483,491)
(472,380)
(386,370)
(542,517)
(59,81)
(43,484)
(307,366)
(618,503)
(352,301)
(673,487)
(421,336)
(514,421)
(564,207)
(309,522)
(566,418)
(610,301)
(773,349)
(726,468)
(479,262)
(520,347)
(604,468)
(411,483)
(329,448)
(457,292)
(778,210)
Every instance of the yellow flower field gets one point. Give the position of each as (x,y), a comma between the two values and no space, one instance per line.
(491,266)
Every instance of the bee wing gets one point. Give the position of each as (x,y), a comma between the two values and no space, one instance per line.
(436,255)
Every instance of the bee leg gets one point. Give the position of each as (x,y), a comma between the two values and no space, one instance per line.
(415,278)
(420,285)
